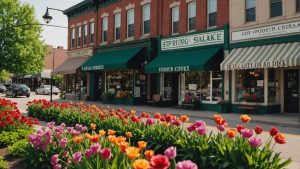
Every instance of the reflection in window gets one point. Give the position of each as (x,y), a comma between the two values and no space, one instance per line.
(276,8)
(212,13)
(192,16)
(146,19)
(175,20)
(168,85)
(250,85)
(250,10)
(120,81)
(130,22)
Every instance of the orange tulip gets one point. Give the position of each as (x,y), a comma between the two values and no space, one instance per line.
(128,134)
(87,136)
(149,154)
(121,139)
(184,118)
(95,138)
(142,144)
(245,118)
(279,138)
(111,132)
(220,121)
(216,116)
(93,126)
(78,139)
(140,164)
(102,132)
(113,139)
(133,152)
(231,133)
(123,146)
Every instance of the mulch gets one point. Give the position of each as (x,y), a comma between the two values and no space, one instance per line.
(14,163)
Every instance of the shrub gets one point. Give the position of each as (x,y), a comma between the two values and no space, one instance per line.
(9,138)
(19,148)
(3,164)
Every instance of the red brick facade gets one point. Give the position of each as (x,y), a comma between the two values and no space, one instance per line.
(160,19)
(60,55)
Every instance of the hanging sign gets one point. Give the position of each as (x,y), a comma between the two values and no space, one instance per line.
(257,65)
(267,31)
(174,69)
(89,68)
(85,52)
(200,39)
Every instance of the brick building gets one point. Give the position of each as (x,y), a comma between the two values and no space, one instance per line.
(128,59)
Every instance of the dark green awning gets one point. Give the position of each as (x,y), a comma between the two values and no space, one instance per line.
(185,61)
(111,60)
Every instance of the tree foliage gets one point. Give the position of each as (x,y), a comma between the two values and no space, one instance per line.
(21,49)
(4,76)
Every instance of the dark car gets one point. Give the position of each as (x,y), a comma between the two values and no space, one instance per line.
(2,88)
(18,90)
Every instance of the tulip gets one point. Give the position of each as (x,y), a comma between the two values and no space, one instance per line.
(140,164)
(102,133)
(95,148)
(88,153)
(157,115)
(149,154)
(142,144)
(184,118)
(106,153)
(273,131)
(95,138)
(258,130)
(231,133)
(123,146)
(240,128)
(201,130)
(77,157)
(93,126)
(111,132)
(220,121)
(186,164)
(279,138)
(159,162)
(171,153)
(78,139)
(221,127)
(150,121)
(128,134)
(133,152)
(57,166)
(63,142)
(54,159)
(245,118)
(246,133)
(254,142)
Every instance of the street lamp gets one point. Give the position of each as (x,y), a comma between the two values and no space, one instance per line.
(47,18)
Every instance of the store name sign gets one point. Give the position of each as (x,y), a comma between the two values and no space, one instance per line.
(267,64)
(89,68)
(174,69)
(280,29)
(87,52)
(201,39)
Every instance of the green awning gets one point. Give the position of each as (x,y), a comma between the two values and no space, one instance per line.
(111,60)
(185,61)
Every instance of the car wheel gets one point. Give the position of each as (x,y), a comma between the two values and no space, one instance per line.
(28,95)
(43,92)
(14,95)
(36,92)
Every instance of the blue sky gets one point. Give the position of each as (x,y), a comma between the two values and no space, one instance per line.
(51,35)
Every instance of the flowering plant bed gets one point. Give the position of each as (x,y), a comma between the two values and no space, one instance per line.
(238,147)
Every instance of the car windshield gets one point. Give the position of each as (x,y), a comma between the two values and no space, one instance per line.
(23,86)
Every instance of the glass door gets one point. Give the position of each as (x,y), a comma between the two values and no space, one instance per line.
(291,91)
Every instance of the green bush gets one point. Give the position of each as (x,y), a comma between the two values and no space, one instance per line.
(9,138)
(19,148)
(3,164)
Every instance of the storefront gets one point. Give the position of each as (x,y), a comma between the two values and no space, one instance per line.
(188,69)
(265,72)
(117,72)
(75,80)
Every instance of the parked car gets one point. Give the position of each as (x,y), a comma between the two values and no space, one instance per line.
(46,89)
(18,90)
(2,88)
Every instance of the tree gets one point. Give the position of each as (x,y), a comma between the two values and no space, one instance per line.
(58,79)
(21,49)
(4,76)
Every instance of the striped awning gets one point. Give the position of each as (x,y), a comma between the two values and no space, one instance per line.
(268,56)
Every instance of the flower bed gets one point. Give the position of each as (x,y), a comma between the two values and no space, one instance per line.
(238,147)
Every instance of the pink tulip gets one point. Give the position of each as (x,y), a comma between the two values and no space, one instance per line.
(201,130)
(77,157)
(95,148)
(186,164)
(88,153)
(246,133)
(221,128)
(54,159)
(106,153)
(254,142)
(171,152)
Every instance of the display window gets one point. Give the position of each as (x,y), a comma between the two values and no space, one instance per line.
(120,83)
(273,86)
(198,87)
(250,85)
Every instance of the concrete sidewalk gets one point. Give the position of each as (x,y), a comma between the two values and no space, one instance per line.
(283,120)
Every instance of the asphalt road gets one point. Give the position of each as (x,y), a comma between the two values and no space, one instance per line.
(290,150)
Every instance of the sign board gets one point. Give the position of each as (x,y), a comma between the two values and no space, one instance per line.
(174,69)
(137,92)
(89,68)
(195,40)
(85,52)
(192,86)
(257,65)
(260,83)
(267,31)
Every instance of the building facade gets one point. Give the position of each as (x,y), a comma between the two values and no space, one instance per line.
(264,60)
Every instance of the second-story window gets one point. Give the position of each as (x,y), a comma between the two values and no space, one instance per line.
(175,20)
(92,32)
(104,29)
(130,23)
(146,19)
(85,34)
(192,15)
(79,32)
(72,37)
(297,5)
(117,26)
(276,8)
(212,13)
(250,10)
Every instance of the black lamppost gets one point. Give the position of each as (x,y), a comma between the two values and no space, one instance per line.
(47,18)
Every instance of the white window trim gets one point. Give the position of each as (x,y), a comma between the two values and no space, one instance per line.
(144,2)
(117,10)
(147,34)
(130,6)
(105,14)
(188,20)
(115,35)
(210,27)
(92,20)
(127,19)
(174,4)
(172,19)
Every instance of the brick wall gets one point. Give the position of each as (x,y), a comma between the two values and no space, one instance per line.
(60,55)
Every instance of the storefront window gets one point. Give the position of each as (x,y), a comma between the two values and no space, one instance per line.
(272,86)
(250,85)
(70,81)
(168,85)
(120,83)
(216,86)
(140,84)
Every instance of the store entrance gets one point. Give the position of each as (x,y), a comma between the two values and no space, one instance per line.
(291,91)
(171,88)
(98,84)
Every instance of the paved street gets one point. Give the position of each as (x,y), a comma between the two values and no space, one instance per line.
(292,132)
